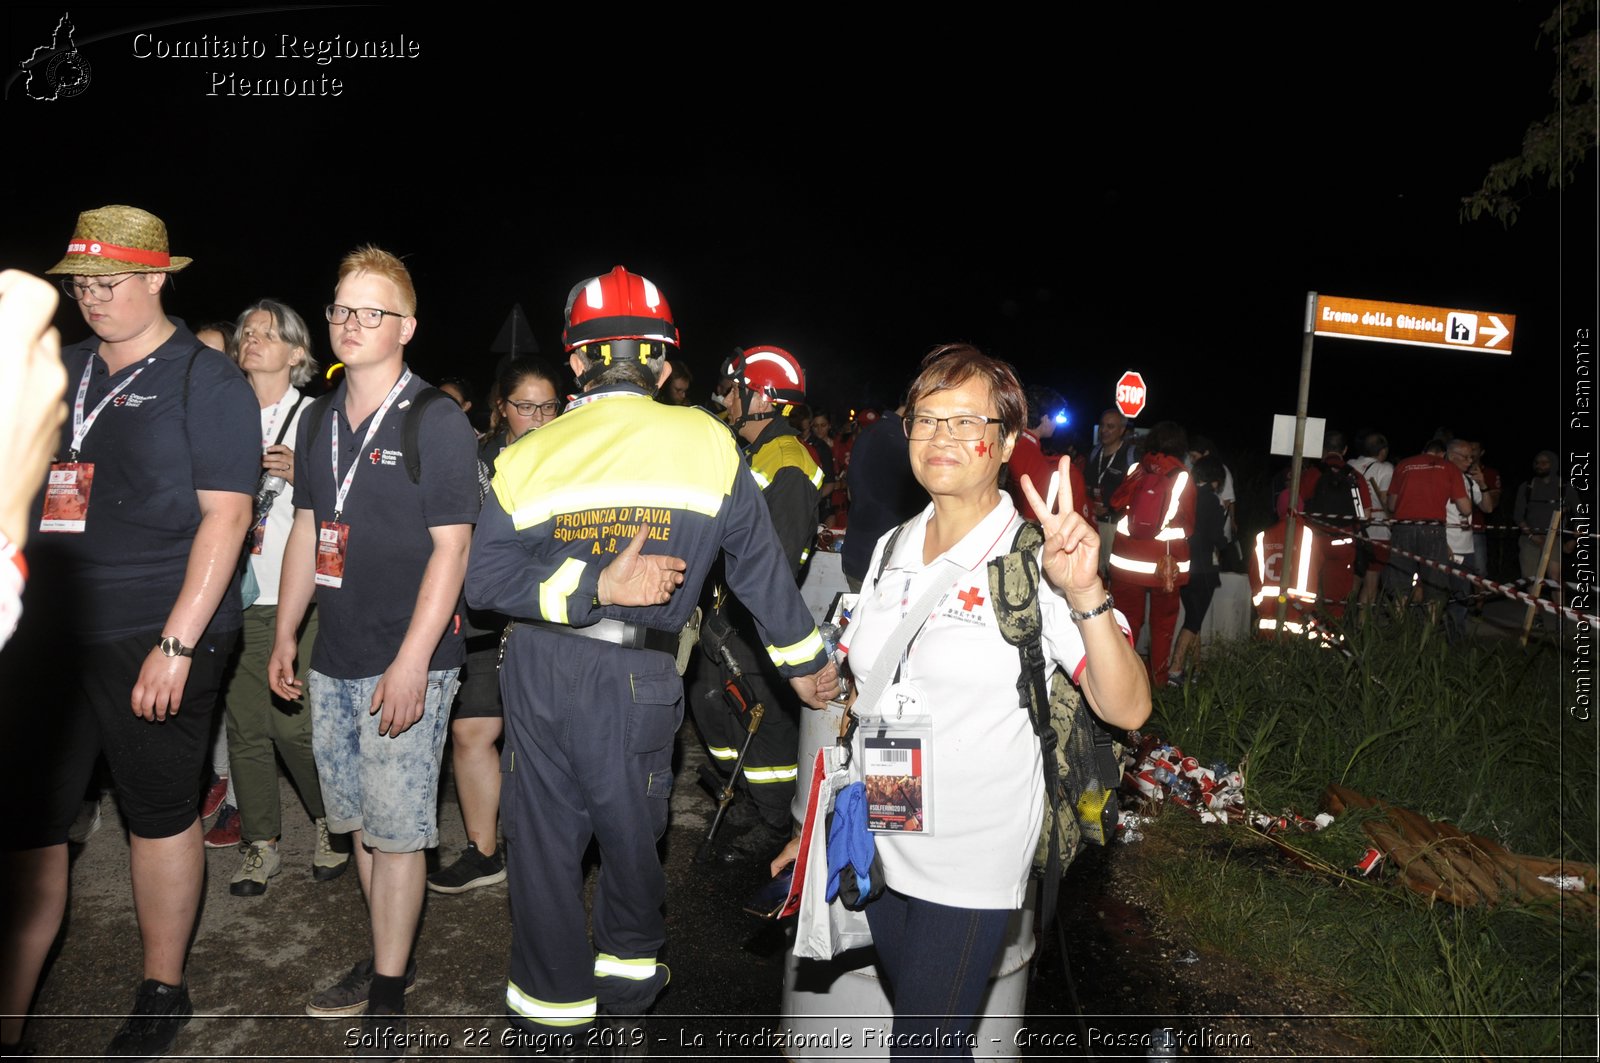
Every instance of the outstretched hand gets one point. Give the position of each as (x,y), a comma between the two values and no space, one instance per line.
(637,578)
(1071,556)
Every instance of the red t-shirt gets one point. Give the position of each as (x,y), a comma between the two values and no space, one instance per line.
(1028,457)
(1422,485)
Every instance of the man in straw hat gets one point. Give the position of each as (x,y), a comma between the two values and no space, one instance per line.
(135,612)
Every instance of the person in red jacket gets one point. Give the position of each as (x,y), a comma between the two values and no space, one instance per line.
(1155,507)
(1028,457)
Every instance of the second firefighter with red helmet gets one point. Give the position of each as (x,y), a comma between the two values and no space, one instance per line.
(768,383)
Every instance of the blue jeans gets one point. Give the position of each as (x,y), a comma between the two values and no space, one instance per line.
(936,961)
(385,787)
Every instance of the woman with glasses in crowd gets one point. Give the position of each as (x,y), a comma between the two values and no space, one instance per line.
(526,401)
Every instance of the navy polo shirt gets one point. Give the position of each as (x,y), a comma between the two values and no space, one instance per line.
(883,491)
(152,449)
(364,621)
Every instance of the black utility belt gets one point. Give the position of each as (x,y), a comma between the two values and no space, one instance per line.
(617,632)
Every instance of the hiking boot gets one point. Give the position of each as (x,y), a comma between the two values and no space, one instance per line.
(260,863)
(159,1012)
(348,996)
(86,823)
(471,870)
(383,1036)
(215,794)
(329,863)
(224,833)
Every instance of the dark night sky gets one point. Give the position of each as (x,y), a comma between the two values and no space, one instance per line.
(1138,190)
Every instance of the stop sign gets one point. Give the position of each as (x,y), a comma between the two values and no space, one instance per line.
(1130,394)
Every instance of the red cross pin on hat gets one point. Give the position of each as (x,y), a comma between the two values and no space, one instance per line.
(118,239)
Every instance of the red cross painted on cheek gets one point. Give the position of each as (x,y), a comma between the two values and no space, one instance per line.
(981,449)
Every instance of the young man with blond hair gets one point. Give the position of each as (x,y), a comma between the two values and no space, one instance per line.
(385,558)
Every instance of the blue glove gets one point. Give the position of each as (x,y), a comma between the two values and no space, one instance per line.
(851,848)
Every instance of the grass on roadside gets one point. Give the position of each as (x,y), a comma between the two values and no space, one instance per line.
(1475,734)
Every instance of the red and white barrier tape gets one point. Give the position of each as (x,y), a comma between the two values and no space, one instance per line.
(1464,574)
(1389,522)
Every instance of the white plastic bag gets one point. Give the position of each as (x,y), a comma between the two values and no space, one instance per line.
(823,930)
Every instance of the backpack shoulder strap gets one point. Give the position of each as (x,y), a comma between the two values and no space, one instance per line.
(317,411)
(888,548)
(188,371)
(289,420)
(409,445)
(1014,590)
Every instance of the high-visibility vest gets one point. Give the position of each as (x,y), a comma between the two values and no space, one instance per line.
(1267,579)
(1135,560)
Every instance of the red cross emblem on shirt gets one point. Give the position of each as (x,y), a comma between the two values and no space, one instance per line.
(970,599)
(376,455)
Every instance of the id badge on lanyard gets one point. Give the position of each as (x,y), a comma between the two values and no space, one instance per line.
(66,497)
(66,493)
(333,536)
(895,751)
(333,543)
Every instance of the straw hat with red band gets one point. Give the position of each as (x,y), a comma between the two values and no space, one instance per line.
(118,239)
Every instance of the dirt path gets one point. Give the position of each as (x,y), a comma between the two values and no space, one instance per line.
(256,960)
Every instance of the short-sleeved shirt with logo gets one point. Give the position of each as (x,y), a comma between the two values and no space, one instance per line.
(364,620)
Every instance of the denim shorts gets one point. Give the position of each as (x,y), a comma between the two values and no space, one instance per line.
(387,788)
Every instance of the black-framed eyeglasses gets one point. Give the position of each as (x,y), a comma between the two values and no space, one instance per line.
(97,291)
(963,426)
(367,316)
(545,410)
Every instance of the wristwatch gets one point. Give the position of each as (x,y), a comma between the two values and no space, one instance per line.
(172,647)
(1103,607)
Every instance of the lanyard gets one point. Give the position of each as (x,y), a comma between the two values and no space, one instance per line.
(372,430)
(584,400)
(80,424)
(277,412)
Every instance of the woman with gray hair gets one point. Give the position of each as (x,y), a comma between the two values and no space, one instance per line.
(275,353)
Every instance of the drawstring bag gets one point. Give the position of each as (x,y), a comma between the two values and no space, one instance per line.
(855,874)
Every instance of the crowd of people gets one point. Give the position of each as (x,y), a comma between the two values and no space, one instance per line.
(227,570)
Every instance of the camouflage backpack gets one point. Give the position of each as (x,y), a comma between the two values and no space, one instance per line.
(1081,759)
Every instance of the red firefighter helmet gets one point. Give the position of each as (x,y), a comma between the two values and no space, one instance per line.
(617,306)
(769,371)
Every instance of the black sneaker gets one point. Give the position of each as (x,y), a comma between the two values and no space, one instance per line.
(348,996)
(382,1037)
(471,870)
(159,1012)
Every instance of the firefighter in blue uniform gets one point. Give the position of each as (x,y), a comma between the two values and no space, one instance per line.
(599,548)
(768,383)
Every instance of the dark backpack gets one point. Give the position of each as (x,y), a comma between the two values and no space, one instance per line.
(409,449)
(1081,760)
(1336,494)
(1147,513)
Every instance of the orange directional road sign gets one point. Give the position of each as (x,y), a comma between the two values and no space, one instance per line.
(1420,326)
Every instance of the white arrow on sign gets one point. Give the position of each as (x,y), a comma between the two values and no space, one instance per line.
(1499,332)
